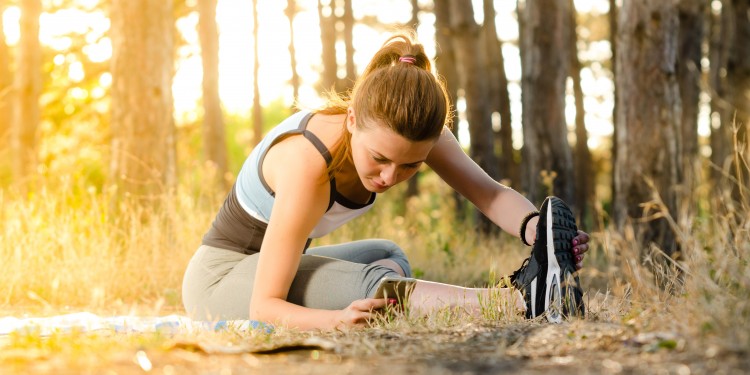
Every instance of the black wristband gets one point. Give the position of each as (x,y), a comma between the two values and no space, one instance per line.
(524,222)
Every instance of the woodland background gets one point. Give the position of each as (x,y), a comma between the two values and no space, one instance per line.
(124,122)
(664,85)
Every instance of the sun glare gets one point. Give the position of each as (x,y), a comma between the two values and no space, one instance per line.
(235,22)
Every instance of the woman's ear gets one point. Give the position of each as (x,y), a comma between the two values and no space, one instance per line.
(351,122)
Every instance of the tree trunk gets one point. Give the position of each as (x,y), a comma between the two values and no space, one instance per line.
(721,109)
(6,91)
(613,14)
(547,155)
(692,18)
(347,19)
(143,154)
(257,110)
(499,99)
(738,76)
(648,129)
(327,19)
(472,79)
(291,12)
(414,21)
(28,88)
(445,62)
(584,174)
(214,139)
(412,189)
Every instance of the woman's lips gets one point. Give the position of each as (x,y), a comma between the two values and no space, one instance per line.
(379,185)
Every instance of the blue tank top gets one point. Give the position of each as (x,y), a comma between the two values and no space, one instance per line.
(254,198)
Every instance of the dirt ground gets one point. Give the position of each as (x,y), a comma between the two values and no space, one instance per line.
(580,347)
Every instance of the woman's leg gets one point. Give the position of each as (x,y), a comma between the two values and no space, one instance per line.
(428,296)
(372,251)
(205,272)
(218,283)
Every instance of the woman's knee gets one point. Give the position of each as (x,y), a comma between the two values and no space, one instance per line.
(397,255)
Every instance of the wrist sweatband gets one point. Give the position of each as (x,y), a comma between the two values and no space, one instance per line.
(524,222)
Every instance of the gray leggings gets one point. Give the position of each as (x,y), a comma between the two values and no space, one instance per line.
(218,283)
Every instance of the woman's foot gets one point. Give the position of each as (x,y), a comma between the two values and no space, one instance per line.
(548,277)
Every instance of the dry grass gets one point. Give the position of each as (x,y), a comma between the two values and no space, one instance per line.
(63,249)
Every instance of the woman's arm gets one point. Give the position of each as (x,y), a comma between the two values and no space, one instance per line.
(501,204)
(296,172)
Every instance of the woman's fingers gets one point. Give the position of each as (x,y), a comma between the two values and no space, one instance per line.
(580,247)
(360,311)
(581,238)
(368,304)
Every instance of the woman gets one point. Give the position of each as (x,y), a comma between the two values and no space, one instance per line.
(316,171)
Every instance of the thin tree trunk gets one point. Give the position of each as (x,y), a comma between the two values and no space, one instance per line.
(28,88)
(498,94)
(257,110)
(291,12)
(445,61)
(721,109)
(584,175)
(738,76)
(547,155)
(414,21)
(692,19)
(6,91)
(142,164)
(347,19)
(214,139)
(613,29)
(412,187)
(327,20)
(648,131)
(472,80)
(730,82)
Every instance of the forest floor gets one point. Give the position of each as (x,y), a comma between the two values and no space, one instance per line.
(586,346)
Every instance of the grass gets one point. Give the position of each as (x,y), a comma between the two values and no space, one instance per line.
(63,249)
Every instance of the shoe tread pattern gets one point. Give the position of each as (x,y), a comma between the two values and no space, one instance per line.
(564,230)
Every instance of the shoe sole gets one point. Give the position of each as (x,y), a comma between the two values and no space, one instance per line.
(565,229)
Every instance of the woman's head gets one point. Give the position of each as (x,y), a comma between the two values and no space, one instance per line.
(399,91)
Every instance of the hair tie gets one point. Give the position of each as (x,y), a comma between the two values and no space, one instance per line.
(408,59)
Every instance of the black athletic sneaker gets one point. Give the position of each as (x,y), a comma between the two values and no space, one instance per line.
(548,277)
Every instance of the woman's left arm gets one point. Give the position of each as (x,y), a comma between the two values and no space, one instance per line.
(501,204)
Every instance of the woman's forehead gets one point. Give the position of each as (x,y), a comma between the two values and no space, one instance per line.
(387,143)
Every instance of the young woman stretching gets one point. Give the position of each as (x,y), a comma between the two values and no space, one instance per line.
(317,170)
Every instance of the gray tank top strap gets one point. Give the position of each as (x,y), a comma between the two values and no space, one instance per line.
(302,129)
(319,145)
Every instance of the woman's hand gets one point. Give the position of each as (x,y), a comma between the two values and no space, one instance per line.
(360,311)
(580,247)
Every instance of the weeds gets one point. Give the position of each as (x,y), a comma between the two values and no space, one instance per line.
(62,248)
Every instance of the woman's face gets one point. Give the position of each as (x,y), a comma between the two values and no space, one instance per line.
(383,158)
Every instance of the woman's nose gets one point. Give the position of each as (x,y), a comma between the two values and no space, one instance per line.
(389,175)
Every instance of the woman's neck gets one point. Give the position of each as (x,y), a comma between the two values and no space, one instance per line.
(349,185)
(330,128)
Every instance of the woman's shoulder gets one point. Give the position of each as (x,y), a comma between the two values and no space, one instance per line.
(327,128)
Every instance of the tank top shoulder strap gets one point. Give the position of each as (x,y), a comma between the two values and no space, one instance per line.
(323,152)
(317,143)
